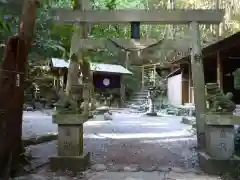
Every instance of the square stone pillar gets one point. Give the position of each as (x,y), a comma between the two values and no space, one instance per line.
(70,143)
(219,153)
(220,141)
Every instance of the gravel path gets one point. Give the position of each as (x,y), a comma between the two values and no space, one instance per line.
(130,147)
(130,138)
(141,140)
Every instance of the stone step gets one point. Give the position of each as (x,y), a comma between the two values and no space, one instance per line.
(138,97)
(139,168)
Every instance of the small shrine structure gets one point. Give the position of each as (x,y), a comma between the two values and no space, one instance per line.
(220,60)
(106,77)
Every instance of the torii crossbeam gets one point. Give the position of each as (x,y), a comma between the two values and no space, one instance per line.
(132,15)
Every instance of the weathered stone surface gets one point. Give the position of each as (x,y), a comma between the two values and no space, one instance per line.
(213,166)
(99,167)
(196,170)
(68,118)
(127,176)
(148,169)
(32,177)
(220,141)
(106,175)
(189,175)
(189,120)
(70,140)
(108,142)
(72,163)
(179,170)
(217,101)
(163,169)
(132,168)
(220,119)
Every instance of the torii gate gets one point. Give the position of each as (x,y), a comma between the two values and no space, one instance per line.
(81,43)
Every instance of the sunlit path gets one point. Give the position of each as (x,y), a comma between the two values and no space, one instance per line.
(130,138)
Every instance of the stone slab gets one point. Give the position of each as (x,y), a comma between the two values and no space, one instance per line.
(71,163)
(70,140)
(68,118)
(213,166)
(220,141)
(220,119)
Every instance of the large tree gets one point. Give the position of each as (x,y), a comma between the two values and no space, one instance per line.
(12,74)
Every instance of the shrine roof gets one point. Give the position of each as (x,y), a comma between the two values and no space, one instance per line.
(96,67)
(224,44)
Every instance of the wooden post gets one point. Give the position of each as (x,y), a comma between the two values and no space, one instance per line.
(198,82)
(219,71)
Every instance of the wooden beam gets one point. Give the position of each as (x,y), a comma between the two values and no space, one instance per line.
(132,15)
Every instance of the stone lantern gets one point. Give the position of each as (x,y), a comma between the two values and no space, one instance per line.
(70,119)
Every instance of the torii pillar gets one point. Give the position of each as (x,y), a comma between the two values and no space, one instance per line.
(198,82)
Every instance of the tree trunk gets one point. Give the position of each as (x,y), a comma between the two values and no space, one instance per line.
(12,74)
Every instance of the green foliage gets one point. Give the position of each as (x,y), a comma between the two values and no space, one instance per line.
(5,27)
(53,40)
